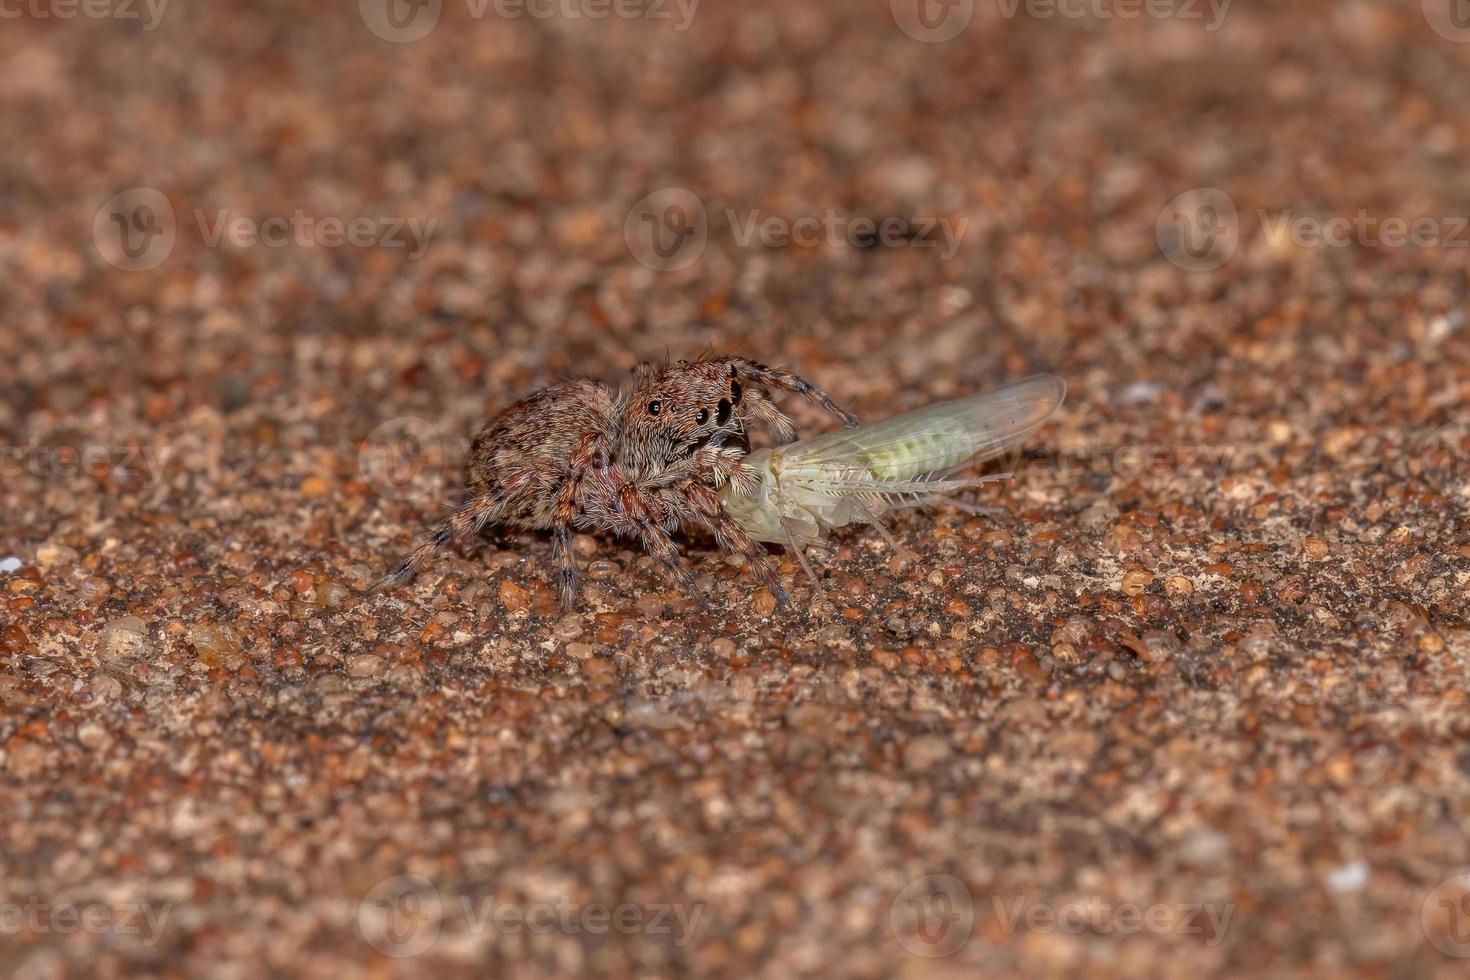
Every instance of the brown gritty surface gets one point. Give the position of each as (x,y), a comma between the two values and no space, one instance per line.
(1210,653)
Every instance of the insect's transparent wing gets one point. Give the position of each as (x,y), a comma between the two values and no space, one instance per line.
(931,441)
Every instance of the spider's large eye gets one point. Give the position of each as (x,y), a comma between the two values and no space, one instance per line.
(654,408)
(735,391)
(702,417)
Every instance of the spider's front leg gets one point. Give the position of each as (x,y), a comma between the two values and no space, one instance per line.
(702,505)
(757,373)
(635,512)
(715,464)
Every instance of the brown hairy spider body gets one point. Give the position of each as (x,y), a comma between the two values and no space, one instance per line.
(641,462)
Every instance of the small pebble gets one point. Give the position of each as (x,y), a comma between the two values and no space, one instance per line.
(1178,585)
(9,564)
(365,665)
(513,597)
(55,554)
(218,645)
(598,668)
(924,752)
(764,602)
(1135,582)
(125,638)
(93,736)
(92,590)
(603,569)
(302,581)
(1349,877)
(331,594)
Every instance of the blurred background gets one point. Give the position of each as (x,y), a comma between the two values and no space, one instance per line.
(267,266)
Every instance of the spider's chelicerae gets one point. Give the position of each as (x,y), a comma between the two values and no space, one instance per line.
(640,461)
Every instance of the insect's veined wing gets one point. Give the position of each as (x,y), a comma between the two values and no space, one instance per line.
(934,440)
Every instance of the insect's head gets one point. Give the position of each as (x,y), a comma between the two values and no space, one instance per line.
(685,406)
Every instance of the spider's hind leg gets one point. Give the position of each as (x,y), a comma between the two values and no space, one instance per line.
(465,522)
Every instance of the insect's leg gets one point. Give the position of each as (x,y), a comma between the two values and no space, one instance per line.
(795,534)
(468,520)
(945,490)
(940,500)
(866,513)
(786,381)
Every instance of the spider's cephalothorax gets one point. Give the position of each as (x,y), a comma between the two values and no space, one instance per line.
(640,462)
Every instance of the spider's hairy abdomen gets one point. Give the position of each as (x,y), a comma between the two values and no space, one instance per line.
(526,450)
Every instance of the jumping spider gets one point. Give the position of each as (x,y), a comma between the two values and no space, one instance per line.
(639,462)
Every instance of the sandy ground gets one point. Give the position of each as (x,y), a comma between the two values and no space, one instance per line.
(1192,703)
